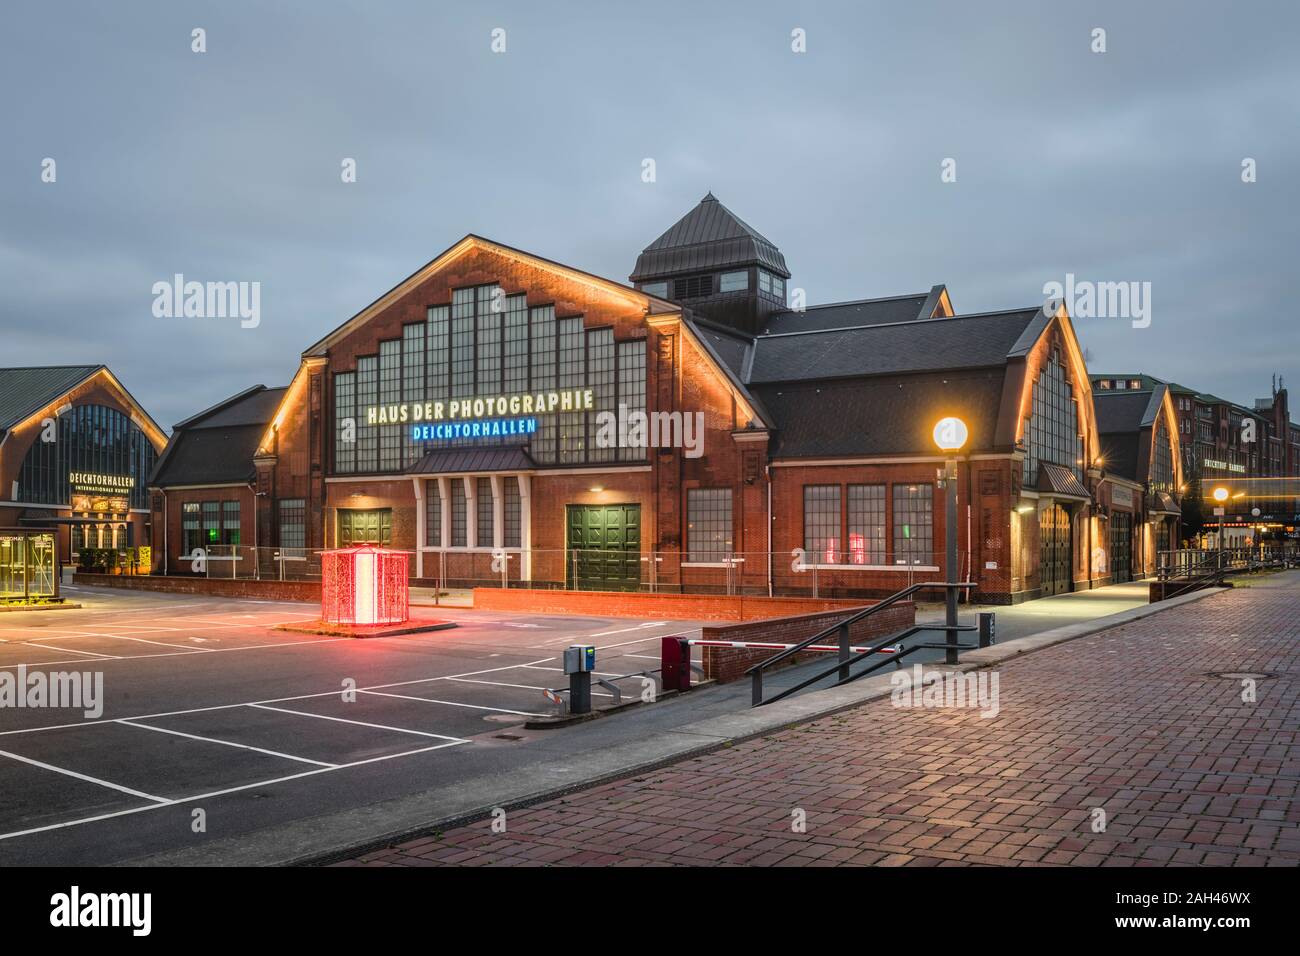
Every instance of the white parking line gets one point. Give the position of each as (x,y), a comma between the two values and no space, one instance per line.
(82,776)
(454,703)
(182,653)
(359,723)
(272,700)
(213,793)
(111,657)
(493,683)
(228,743)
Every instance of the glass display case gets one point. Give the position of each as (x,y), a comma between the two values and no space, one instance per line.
(29,569)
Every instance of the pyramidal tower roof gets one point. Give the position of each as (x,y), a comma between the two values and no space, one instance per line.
(708,237)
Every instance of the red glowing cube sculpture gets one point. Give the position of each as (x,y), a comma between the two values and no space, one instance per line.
(364,585)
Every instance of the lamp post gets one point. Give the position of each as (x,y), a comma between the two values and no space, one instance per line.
(1221,512)
(950,435)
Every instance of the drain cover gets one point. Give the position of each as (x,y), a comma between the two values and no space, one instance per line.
(1240,675)
(507,737)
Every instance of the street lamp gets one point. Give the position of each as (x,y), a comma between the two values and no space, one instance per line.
(950,435)
(1221,496)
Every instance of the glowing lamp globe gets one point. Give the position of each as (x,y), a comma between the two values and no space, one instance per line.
(364,585)
(1220,494)
(950,433)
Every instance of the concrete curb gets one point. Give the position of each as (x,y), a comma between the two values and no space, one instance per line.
(349,833)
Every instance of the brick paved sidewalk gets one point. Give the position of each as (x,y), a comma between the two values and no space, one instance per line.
(1130,720)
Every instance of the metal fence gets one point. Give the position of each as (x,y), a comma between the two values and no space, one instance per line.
(853,573)
(1190,562)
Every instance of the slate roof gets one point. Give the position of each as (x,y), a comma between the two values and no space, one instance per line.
(217,445)
(27,390)
(973,341)
(469,459)
(881,415)
(1121,417)
(707,238)
(840,315)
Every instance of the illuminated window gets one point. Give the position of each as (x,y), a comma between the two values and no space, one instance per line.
(821,523)
(89,438)
(211,523)
(913,527)
(866,513)
(191,535)
(708,524)
(1162,464)
(1052,429)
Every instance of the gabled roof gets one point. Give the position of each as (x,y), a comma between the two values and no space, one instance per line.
(24,391)
(881,415)
(708,237)
(843,315)
(969,341)
(216,446)
(471,242)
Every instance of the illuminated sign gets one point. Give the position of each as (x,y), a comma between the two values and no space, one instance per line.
(99,504)
(1223,465)
(101,484)
(522,404)
(493,428)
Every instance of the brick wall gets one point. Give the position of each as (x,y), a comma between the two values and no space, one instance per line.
(670,607)
(725,664)
(263,590)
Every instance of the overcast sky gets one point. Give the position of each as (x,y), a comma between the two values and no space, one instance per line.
(225,165)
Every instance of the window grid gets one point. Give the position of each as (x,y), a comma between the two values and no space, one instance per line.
(390,389)
(345,393)
(708,524)
(512,535)
(866,517)
(230,522)
(821,523)
(571,362)
(459,532)
(90,438)
(487,347)
(542,364)
(412,383)
(913,524)
(483,505)
(632,387)
(600,379)
(367,394)
(293,522)
(1052,430)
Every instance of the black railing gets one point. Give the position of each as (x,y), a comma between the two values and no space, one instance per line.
(843,666)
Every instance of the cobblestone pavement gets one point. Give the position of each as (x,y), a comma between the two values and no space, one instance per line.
(1135,721)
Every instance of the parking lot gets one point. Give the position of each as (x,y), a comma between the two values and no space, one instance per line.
(206,707)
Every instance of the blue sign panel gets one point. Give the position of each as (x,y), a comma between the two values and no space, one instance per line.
(483,428)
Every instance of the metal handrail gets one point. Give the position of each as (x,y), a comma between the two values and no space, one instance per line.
(842,665)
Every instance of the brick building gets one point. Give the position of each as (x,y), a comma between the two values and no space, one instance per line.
(204,485)
(1253,451)
(506,417)
(76,450)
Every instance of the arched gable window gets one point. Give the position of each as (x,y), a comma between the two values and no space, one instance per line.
(90,438)
(1162,460)
(1052,428)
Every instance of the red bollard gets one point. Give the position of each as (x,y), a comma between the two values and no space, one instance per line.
(676,663)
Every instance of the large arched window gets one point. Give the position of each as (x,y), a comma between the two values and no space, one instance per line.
(1052,429)
(1162,461)
(94,439)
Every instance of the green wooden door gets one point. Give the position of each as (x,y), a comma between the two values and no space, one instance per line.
(604,547)
(365,527)
(1056,566)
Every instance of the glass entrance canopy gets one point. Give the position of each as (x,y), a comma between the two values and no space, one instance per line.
(28,566)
